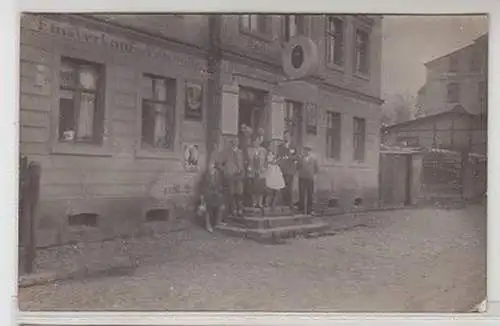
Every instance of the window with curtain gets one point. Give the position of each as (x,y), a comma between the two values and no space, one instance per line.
(158,112)
(362,54)
(81,114)
(335,41)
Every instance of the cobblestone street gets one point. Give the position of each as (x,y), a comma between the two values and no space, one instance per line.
(426,260)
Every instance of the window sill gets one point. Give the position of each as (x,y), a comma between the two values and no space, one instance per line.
(362,76)
(159,154)
(81,149)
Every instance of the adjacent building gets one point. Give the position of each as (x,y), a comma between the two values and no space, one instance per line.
(457,78)
(453,131)
(454,99)
(116,107)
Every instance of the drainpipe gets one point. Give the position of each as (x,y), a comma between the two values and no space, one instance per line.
(214,95)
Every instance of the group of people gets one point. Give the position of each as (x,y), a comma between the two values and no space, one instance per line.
(251,172)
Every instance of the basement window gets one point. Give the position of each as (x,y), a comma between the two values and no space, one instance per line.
(157,215)
(333,202)
(358,201)
(84,219)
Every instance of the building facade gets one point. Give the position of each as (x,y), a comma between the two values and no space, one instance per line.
(116,107)
(458,78)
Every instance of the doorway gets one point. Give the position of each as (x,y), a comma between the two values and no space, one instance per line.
(395,179)
(251,110)
(293,122)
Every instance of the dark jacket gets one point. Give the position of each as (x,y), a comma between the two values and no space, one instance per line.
(244,141)
(287,159)
(257,165)
(234,166)
(308,167)
(210,186)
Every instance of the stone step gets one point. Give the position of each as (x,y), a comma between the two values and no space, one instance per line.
(273,233)
(269,222)
(268,211)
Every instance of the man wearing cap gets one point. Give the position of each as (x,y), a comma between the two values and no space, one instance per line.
(308,168)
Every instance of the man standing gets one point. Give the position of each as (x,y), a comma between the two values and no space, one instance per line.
(287,160)
(234,172)
(308,168)
(244,138)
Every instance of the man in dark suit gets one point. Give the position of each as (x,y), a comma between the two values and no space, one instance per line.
(308,168)
(287,160)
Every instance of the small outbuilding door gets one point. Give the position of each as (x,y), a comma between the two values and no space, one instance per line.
(395,179)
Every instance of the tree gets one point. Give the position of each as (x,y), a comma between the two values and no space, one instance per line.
(399,108)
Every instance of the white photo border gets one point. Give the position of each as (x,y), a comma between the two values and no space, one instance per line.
(9,313)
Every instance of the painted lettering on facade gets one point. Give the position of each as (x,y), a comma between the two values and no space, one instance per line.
(53,28)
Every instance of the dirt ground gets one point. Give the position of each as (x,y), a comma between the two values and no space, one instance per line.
(427,260)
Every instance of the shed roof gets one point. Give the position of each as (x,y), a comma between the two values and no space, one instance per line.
(456,112)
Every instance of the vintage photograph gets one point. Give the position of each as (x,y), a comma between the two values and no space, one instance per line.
(253,162)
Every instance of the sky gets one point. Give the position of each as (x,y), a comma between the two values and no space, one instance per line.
(410,41)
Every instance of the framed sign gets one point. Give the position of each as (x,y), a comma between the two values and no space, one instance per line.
(311,119)
(194,101)
(191,157)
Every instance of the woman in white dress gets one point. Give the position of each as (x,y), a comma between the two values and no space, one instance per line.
(274,176)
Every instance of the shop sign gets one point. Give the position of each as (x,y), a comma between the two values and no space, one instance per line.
(39,24)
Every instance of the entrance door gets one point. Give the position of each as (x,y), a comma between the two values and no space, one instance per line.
(394,179)
(251,108)
(293,122)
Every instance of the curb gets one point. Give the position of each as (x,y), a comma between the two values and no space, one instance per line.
(120,267)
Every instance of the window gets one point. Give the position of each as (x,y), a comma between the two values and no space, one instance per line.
(158,112)
(255,23)
(335,41)
(453,64)
(453,91)
(81,115)
(359,139)
(362,56)
(293,122)
(312,119)
(333,135)
(475,62)
(85,219)
(294,25)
